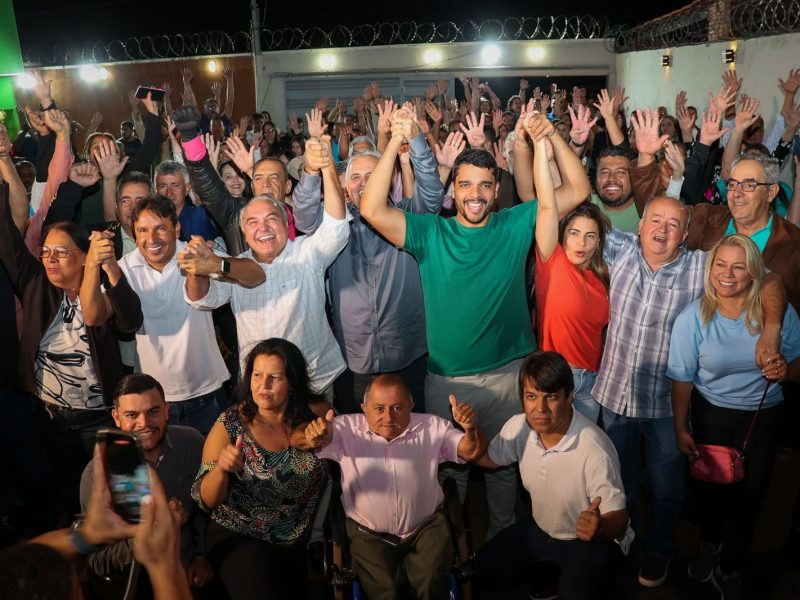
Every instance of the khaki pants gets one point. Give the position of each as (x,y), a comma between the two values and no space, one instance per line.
(495,397)
(427,557)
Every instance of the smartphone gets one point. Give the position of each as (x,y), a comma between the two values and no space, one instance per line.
(126,471)
(156,94)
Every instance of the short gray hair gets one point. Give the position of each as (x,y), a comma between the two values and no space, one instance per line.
(171,167)
(770,165)
(686,209)
(360,140)
(269,199)
(374,153)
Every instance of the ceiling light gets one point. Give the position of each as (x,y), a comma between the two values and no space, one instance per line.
(536,53)
(490,54)
(327,61)
(432,56)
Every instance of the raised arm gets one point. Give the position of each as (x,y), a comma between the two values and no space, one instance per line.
(227,73)
(473,445)
(199,263)
(188,93)
(547,212)
(575,187)
(106,154)
(389,221)
(18,196)
(606,105)
(95,305)
(745,117)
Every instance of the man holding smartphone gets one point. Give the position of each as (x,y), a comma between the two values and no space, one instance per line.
(175,454)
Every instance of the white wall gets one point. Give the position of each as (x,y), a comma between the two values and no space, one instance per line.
(557,57)
(698,70)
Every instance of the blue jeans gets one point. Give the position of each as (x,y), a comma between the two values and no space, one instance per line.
(587,568)
(583,401)
(665,475)
(200,412)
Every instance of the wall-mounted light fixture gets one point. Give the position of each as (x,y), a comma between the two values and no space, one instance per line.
(666,60)
(212,66)
(432,56)
(729,56)
(327,61)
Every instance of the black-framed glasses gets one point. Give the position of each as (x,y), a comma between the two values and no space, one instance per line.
(748,185)
(58,252)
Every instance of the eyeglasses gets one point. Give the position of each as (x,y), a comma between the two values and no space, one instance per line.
(748,185)
(58,252)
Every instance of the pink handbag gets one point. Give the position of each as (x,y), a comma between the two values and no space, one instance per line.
(723,464)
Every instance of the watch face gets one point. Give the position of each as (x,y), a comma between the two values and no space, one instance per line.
(226,266)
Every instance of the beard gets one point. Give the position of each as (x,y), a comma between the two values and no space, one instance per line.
(614,203)
(469,217)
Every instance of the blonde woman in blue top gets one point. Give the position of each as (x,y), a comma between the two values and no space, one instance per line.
(712,365)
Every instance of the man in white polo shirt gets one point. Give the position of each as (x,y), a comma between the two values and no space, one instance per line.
(571,470)
(177,345)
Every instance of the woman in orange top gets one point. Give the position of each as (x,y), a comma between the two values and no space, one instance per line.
(571,284)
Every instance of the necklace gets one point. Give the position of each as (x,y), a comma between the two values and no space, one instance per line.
(281,433)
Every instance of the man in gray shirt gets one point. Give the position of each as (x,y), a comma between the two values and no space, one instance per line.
(140,408)
(374,288)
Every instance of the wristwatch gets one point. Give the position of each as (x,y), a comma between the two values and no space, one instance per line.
(226,267)
(79,542)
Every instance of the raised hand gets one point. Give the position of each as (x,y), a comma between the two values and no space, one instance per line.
(319,432)
(101,252)
(676,159)
(710,130)
(167,89)
(497,119)
(463,414)
(150,104)
(430,92)
(84,174)
(322,104)
(581,125)
(545,103)
(792,83)
(212,148)
(434,113)
(538,126)
(316,124)
(474,130)
(386,110)
(230,459)
(227,73)
(578,96)
(523,85)
(725,98)
(41,89)
(241,156)
(618,97)
(133,100)
(731,82)
(358,105)
(499,157)
(648,141)
(686,120)
(97,120)
(404,124)
(441,86)
(58,122)
(452,147)
(605,104)
(318,155)
(747,114)
(187,120)
(589,521)
(106,154)
(187,75)
(792,119)
(5,142)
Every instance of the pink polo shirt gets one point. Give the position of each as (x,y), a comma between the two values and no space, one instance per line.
(392,487)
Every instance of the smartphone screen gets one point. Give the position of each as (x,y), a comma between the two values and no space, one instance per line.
(126,472)
(156,94)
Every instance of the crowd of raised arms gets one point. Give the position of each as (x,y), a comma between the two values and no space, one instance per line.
(552,289)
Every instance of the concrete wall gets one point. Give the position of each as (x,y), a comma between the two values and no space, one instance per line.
(698,70)
(553,58)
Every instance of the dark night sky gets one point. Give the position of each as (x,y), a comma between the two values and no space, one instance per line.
(77,21)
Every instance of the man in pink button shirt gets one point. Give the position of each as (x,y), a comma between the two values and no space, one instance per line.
(389,458)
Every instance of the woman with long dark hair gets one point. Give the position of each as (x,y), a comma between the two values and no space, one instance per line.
(261,491)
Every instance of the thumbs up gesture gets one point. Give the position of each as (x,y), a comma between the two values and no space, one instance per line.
(319,432)
(230,459)
(463,414)
(589,521)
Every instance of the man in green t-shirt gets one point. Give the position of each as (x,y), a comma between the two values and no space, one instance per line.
(614,192)
(473,280)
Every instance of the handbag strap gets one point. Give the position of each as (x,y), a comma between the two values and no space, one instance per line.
(755,416)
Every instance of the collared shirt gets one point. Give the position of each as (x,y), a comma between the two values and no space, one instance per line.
(626,219)
(564,479)
(644,305)
(128,243)
(290,304)
(392,486)
(759,238)
(175,344)
(375,288)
